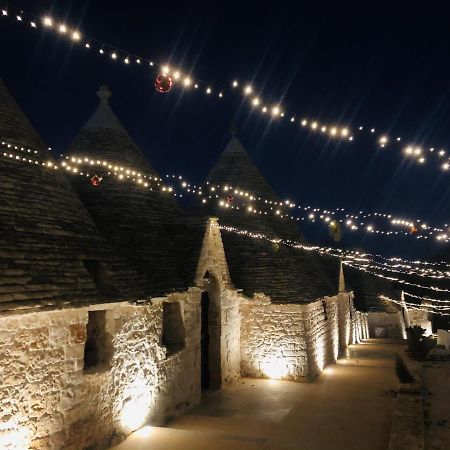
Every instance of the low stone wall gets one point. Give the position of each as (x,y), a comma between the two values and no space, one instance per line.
(322,334)
(420,318)
(392,325)
(48,400)
(296,341)
(273,343)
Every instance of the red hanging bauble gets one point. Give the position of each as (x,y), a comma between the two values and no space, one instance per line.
(96,180)
(163,83)
(230,199)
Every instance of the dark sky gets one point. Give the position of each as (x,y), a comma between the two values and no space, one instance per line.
(376,66)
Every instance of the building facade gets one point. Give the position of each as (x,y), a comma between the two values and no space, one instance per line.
(120,308)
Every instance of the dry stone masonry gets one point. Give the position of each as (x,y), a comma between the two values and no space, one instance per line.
(118,307)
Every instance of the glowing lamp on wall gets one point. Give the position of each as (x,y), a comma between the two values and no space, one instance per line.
(274,367)
(136,405)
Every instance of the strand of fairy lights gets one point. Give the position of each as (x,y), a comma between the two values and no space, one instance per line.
(429,308)
(145,181)
(413,306)
(276,111)
(129,174)
(398,280)
(353,222)
(329,251)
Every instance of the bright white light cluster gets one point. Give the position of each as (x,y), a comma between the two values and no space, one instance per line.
(275,111)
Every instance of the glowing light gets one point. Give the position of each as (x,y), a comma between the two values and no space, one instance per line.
(176,75)
(344,132)
(323,129)
(114,55)
(4,12)
(33,24)
(409,150)
(19,18)
(445,166)
(333,131)
(136,405)
(383,140)
(422,160)
(166,69)
(275,111)
(126,61)
(304,122)
(144,432)
(314,125)
(208,90)
(274,367)
(255,101)
(187,82)
(264,109)
(62,28)
(235,83)
(248,90)
(47,21)
(76,36)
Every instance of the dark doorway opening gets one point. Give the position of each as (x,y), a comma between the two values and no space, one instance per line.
(205,342)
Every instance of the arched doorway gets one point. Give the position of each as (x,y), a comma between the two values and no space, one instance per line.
(211,377)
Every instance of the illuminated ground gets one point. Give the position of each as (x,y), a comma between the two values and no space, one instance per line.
(348,407)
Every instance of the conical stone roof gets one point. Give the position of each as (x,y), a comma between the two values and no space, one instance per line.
(283,273)
(47,237)
(147,226)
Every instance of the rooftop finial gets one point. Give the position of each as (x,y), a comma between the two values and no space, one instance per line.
(104,93)
(234,129)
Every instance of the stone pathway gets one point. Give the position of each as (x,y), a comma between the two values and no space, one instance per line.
(349,407)
(437,411)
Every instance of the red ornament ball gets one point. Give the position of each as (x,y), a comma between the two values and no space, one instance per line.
(163,83)
(96,180)
(230,199)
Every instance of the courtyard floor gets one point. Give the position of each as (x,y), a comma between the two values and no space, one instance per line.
(348,407)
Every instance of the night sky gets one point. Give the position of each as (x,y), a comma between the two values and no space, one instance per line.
(378,67)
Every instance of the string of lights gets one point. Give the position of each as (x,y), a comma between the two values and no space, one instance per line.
(173,76)
(72,166)
(413,306)
(328,216)
(398,280)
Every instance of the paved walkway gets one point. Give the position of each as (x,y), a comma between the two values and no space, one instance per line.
(349,407)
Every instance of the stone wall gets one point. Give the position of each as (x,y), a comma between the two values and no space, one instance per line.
(273,341)
(225,298)
(420,318)
(296,341)
(388,325)
(322,334)
(47,400)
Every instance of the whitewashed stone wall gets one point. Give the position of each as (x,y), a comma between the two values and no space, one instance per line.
(322,334)
(420,318)
(47,401)
(295,341)
(273,341)
(392,324)
(221,291)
